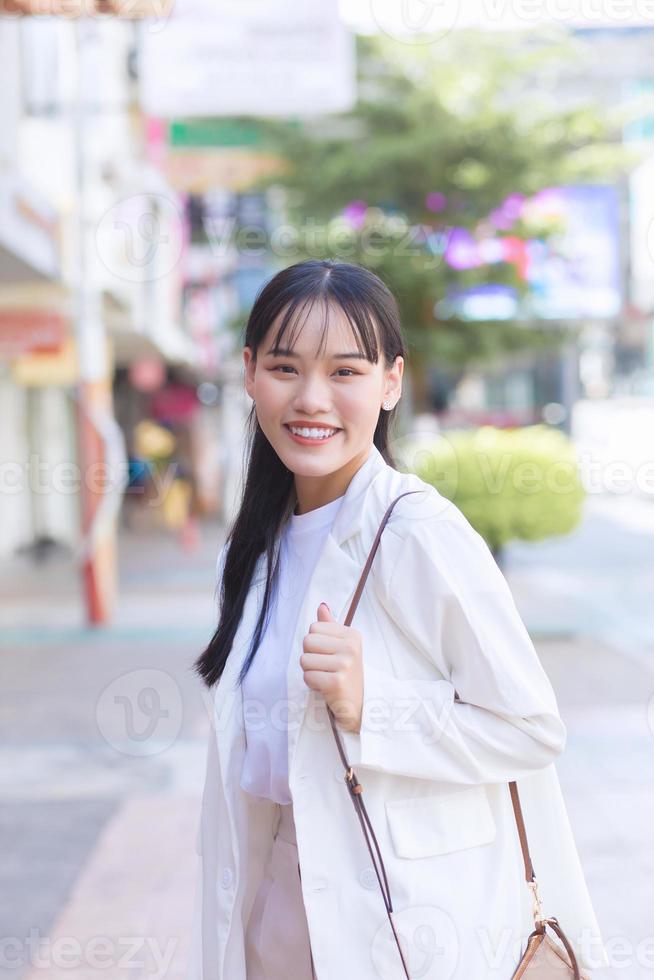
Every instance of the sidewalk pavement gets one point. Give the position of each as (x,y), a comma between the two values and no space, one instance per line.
(104,734)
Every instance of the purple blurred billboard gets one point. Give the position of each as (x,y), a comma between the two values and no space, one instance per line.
(575,273)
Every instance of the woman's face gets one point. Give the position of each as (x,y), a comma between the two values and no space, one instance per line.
(337,391)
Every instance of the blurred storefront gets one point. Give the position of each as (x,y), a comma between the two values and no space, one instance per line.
(38,373)
(90,246)
(172,428)
(37,359)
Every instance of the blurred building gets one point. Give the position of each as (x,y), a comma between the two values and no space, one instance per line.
(120,295)
(599,290)
(35,416)
(91,243)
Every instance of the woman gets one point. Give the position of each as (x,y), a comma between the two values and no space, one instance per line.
(287,890)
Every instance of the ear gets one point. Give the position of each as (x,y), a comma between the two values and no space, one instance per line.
(393,382)
(250,365)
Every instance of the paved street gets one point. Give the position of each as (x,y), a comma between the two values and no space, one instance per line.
(99,786)
(103,736)
(587,600)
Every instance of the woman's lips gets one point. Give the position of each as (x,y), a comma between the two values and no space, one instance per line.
(304,441)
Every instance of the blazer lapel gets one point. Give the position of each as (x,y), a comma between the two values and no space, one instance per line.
(333,581)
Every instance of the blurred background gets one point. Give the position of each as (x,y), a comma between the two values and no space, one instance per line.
(494,163)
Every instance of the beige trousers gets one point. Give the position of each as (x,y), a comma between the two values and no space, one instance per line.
(277,936)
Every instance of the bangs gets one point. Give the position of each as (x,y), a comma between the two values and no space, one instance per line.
(356,313)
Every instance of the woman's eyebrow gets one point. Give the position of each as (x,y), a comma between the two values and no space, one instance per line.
(287,352)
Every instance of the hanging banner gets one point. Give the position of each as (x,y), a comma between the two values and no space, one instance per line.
(229,58)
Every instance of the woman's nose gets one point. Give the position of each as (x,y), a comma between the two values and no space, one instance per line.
(312,395)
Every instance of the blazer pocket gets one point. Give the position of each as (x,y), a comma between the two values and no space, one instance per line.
(422,826)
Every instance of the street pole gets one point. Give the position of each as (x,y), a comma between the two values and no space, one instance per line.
(94,396)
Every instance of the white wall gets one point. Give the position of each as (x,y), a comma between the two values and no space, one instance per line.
(15,520)
(36,424)
(10,102)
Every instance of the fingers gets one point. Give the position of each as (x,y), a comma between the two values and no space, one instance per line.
(331,628)
(318,680)
(318,643)
(319,663)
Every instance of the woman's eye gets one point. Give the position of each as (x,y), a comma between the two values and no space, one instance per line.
(284,368)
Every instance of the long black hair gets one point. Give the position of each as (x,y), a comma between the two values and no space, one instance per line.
(269,492)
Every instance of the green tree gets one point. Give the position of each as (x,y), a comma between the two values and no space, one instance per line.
(440,136)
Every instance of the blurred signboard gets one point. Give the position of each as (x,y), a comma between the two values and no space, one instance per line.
(573,274)
(229,58)
(641,194)
(229,169)
(577,274)
(214,132)
(129,9)
(40,369)
(23,331)
(198,155)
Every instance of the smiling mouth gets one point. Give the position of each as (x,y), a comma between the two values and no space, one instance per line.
(311,434)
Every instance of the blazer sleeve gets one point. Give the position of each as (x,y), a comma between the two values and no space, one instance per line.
(491,715)
(211,766)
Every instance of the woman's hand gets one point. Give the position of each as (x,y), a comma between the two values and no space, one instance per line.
(332,664)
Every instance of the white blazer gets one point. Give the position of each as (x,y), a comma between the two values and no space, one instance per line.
(436,616)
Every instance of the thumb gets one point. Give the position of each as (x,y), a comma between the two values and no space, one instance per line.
(324,613)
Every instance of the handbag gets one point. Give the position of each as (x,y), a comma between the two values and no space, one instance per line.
(543,958)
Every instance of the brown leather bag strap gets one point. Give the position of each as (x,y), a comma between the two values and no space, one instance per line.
(522,833)
(553,922)
(356,792)
(353,784)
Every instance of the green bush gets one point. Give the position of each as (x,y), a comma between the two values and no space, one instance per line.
(510,483)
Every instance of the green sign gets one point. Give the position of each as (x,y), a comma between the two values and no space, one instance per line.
(221,132)
(214,132)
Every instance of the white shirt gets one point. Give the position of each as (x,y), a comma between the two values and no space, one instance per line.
(265,697)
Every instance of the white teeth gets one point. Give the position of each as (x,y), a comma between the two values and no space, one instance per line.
(312,433)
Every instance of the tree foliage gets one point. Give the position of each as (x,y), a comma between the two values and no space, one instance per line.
(441,134)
